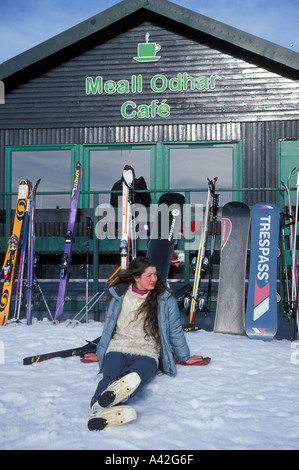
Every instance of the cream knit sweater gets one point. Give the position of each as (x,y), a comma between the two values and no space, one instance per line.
(129,335)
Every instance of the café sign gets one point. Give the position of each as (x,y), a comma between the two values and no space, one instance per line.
(159,83)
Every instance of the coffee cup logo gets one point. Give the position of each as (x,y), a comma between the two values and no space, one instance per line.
(147,51)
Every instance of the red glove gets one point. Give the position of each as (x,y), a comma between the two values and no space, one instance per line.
(195,361)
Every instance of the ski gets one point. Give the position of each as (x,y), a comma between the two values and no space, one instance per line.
(128,178)
(293,229)
(19,290)
(293,307)
(288,222)
(31,252)
(90,347)
(201,250)
(12,251)
(214,210)
(294,262)
(261,309)
(230,311)
(69,238)
(163,237)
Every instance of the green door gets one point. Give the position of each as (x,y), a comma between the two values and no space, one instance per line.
(288,155)
(288,160)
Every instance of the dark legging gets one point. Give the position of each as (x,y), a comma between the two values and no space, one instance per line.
(116,364)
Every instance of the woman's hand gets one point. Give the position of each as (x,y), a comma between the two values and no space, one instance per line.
(195,361)
(90,357)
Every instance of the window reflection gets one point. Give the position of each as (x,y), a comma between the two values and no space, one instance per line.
(54,169)
(190,168)
(106,167)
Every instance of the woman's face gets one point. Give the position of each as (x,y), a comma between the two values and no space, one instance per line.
(147,280)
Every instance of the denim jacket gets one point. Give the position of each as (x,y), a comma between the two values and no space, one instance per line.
(172,336)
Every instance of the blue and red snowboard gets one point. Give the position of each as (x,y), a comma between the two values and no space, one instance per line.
(261,310)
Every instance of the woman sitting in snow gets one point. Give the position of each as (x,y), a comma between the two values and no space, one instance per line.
(142,331)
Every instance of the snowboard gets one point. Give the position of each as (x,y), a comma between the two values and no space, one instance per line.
(69,239)
(261,310)
(163,237)
(10,260)
(90,347)
(230,309)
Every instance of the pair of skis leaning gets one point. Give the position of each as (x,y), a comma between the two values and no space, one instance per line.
(31,253)
(24,226)
(128,235)
(10,261)
(69,240)
(290,221)
(33,289)
(196,301)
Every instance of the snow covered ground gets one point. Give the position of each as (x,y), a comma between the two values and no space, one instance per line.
(246,398)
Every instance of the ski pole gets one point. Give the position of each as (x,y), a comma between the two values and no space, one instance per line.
(294,260)
(94,299)
(89,225)
(215,208)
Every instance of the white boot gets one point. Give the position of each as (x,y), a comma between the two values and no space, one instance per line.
(101,418)
(119,389)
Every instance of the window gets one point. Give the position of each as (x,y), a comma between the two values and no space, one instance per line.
(190,168)
(54,169)
(106,167)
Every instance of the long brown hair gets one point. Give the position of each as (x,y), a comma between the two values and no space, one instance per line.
(150,306)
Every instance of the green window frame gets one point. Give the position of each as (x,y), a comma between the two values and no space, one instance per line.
(159,162)
(75,157)
(87,149)
(288,159)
